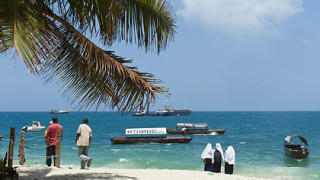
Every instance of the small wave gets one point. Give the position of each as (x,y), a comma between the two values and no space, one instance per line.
(154,143)
(123,160)
(213,133)
(148,162)
(115,150)
(242,142)
(168,144)
(74,148)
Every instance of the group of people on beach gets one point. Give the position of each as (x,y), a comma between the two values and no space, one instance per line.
(83,139)
(214,157)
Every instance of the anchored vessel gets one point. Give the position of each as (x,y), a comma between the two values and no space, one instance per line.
(147,135)
(169,111)
(36,126)
(140,113)
(194,128)
(296,150)
(55,111)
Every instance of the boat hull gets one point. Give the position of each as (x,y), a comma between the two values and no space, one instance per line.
(63,112)
(175,112)
(296,153)
(32,129)
(197,131)
(132,140)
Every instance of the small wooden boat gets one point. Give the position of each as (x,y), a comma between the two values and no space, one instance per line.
(194,128)
(1,136)
(296,150)
(36,127)
(55,111)
(147,135)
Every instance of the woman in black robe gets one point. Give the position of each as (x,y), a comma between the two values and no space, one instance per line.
(217,158)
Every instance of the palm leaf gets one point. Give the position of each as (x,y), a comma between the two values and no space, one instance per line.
(28,31)
(95,76)
(149,23)
(49,36)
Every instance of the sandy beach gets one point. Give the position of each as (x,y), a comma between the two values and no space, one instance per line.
(68,173)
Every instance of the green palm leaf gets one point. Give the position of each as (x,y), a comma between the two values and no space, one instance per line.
(49,36)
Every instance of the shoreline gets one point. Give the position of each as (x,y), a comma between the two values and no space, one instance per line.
(70,173)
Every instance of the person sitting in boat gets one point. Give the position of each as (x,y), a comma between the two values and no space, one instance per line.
(230,158)
(217,157)
(303,149)
(207,157)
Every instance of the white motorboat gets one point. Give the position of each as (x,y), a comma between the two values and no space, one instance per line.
(36,127)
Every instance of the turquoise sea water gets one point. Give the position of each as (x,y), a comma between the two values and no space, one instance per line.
(257,138)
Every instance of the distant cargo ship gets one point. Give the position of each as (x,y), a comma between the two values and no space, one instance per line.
(54,111)
(169,111)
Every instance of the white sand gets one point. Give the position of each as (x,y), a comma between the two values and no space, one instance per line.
(67,173)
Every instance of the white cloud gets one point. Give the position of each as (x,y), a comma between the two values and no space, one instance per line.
(240,17)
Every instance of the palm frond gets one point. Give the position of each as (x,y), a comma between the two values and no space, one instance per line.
(27,30)
(149,23)
(49,36)
(95,76)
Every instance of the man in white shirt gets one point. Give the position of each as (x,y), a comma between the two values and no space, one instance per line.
(83,140)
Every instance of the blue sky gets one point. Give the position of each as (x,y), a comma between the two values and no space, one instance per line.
(227,55)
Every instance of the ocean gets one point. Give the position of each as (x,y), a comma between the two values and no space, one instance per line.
(257,138)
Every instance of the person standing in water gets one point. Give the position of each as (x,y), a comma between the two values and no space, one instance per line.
(217,158)
(207,157)
(230,158)
(83,140)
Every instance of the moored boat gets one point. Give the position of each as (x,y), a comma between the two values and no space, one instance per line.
(147,135)
(169,111)
(194,128)
(55,111)
(140,113)
(36,127)
(298,151)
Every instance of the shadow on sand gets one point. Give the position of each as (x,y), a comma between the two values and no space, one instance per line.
(37,174)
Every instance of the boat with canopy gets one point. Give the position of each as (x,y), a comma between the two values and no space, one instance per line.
(298,151)
(194,128)
(147,135)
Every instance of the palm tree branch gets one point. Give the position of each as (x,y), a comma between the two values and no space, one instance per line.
(91,73)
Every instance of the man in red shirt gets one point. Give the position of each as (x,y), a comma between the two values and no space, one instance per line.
(51,140)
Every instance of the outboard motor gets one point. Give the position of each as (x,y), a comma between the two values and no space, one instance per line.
(24,128)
